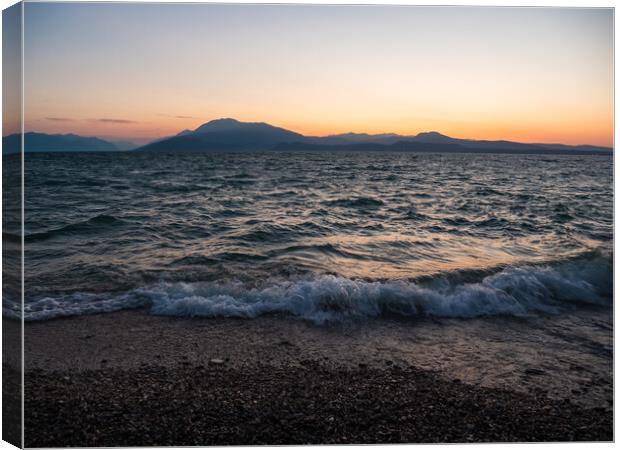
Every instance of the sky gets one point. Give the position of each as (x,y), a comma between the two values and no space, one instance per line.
(144,71)
(11,69)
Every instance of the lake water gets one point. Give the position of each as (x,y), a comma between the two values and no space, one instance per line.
(322,237)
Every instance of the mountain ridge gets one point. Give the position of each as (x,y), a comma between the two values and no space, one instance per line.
(35,142)
(225,134)
(229,134)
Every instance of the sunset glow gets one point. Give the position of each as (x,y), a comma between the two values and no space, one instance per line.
(144,71)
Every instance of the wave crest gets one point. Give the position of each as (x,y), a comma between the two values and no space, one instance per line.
(518,291)
(514,291)
(95,224)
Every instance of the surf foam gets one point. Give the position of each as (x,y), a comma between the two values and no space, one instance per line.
(513,291)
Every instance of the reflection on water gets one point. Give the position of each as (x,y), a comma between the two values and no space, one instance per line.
(111,223)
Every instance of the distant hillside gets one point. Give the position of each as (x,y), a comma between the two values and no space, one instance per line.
(121,144)
(225,135)
(232,135)
(434,137)
(351,138)
(41,142)
(421,147)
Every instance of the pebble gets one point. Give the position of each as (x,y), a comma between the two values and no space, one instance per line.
(287,405)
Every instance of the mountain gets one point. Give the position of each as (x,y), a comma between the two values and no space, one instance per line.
(122,144)
(41,142)
(434,137)
(225,135)
(352,138)
(233,135)
(422,147)
(399,146)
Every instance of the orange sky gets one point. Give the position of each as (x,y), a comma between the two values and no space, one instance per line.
(143,71)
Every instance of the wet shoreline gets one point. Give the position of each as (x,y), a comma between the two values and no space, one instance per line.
(132,378)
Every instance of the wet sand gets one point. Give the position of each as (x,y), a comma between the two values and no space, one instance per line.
(130,378)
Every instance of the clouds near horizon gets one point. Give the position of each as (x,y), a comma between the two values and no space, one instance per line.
(526,74)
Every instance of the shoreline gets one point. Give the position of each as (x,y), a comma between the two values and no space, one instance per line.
(310,405)
(132,378)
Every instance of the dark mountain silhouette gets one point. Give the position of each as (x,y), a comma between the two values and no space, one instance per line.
(433,137)
(41,142)
(227,135)
(399,146)
(421,147)
(232,135)
(122,144)
(350,138)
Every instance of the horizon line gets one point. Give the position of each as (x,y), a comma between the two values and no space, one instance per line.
(151,139)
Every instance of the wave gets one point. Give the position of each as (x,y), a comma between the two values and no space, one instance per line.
(356,202)
(513,291)
(94,224)
(10,237)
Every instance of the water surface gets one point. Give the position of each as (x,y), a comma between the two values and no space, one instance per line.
(323,237)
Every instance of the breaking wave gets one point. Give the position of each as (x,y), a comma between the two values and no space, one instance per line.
(513,291)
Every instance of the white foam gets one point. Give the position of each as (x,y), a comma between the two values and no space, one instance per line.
(516,291)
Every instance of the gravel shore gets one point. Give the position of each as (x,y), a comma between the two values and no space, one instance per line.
(128,379)
(310,405)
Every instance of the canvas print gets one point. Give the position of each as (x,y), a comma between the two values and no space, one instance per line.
(240,224)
